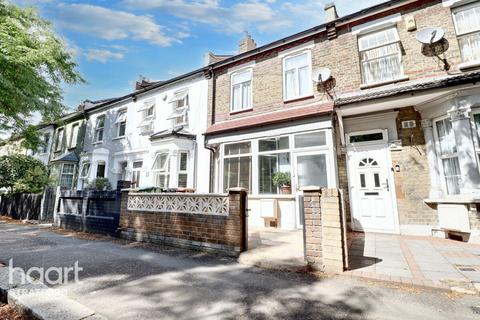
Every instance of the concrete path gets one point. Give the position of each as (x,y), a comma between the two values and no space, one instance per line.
(123,281)
(272,248)
(418,260)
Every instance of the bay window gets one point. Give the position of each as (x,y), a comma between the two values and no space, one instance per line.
(161,170)
(297,76)
(380,56)
(183,170)
(241,90)
(66,177)
(273,157)
(448,155)
(237,166)
(467,26)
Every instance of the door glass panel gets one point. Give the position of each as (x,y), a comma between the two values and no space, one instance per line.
(362,180)
(376,179)
(312,170)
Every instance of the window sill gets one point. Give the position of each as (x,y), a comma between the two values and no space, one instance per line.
(118,138)
(468,65)
(383,83)
(299,99)
(240,111)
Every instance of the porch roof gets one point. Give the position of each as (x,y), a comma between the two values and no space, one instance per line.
(271,118)
(175,132)
(68,157)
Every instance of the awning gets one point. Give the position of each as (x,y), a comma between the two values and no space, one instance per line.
(179,95)
(121,117)
(68,157)
(177,113)
(147,105)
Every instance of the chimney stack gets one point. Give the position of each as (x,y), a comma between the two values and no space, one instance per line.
(246,44)
(330,12)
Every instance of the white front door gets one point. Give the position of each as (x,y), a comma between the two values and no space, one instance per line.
(371,188)
(310,170)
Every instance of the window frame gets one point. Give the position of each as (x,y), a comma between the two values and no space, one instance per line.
(59,139)
(46,143)
(82,177)
(119,124)
(310,92)
(73,136)
(179,167)
(441,157)
(136,173)
(455,10)
(164,171)
(276,152)
(401,75)
(62,173)
(99,163)
(240,155)
(99,129)
(250,102)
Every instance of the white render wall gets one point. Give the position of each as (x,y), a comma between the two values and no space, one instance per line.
(136,146)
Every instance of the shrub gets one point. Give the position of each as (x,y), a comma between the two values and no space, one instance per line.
(20,173)
(100,184)
(281,179)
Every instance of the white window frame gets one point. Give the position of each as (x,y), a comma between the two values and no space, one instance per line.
(249,104)
(309,75)
(46,143)
(105,174)
(118,123)
(274,152)
(99,129)
(468,33)
(164,171)
(384,133)
(70,174)
(85,177)
(250,154)
(476,134)
(59,139)
(180,171)
(180,113)
(398,42)
(73,136)
(136,172)
(441,157)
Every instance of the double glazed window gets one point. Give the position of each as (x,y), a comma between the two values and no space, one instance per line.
(179,104)
(66,177)
(161,170)
(237,166)
(273,157)
(74,137)
(467,26)
(99,128)
(59,140)
(85,170)
(448,155)
(121,123)
(241,90)
(380,56)
(183,170)
(148,114)
(297,76)
(136,173)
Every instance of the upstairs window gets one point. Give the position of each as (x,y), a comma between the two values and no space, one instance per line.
(46,142)
(297,76)
(241,90)
(380,56)
(74,137)
(99,128)
(148,114)
(467,26)
(161,168)
(59,140)
(121,123)
(179,102)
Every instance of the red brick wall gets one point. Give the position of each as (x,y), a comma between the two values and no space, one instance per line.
(224,234)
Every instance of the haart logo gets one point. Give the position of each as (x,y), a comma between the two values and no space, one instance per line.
(50,276)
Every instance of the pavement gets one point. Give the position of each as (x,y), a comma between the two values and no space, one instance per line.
(123,280)
(273,248)
(425,261)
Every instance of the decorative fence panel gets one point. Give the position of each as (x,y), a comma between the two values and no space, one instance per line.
(202,221)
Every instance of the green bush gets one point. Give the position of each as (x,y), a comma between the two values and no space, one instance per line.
(20,173)
(100,184)
(281,179)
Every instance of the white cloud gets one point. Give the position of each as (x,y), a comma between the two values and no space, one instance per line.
(103,55)
(111,24)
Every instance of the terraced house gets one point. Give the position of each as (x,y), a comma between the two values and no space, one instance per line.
(403,141)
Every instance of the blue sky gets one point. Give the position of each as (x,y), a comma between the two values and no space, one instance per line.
(114,42)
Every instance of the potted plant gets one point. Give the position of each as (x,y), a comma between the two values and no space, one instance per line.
(283,180)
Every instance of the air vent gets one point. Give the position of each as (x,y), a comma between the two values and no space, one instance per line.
(409,124)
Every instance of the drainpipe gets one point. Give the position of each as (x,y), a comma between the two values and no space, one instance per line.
(211,75)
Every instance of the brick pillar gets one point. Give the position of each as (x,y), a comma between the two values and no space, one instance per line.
(313,227)
(237,212)
(324,230)
(123,219)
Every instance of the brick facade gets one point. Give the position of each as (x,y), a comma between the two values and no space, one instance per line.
(224,234)
(324,230)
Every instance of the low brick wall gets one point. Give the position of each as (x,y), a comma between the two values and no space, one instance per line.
(206,222)
(325,238)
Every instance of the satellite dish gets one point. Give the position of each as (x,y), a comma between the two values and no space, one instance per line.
(430,35)
(321,75)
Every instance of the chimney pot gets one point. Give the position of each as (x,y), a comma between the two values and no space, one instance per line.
(246,44)
(330,12)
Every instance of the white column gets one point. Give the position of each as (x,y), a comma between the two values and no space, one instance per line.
(435,184)
(459,116)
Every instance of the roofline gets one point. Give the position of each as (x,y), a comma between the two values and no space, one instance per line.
(314,30)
